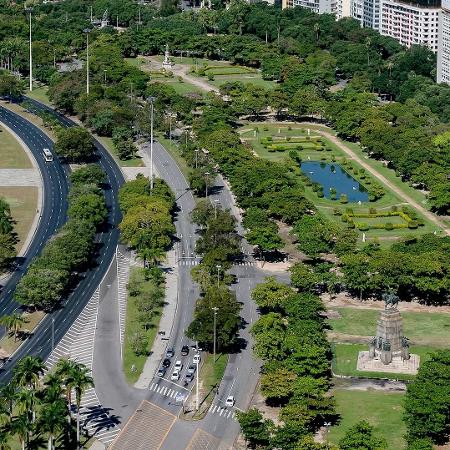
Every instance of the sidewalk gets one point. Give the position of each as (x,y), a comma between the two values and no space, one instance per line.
(165,324)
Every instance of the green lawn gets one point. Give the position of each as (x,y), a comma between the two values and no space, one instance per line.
(23,203)
(181,87)
(381,409)
(131,324)
(427,329)
(345,357)
(39,94)
(12,155)
(246,78)
(211,375)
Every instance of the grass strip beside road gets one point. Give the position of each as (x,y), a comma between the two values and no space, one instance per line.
(12,155)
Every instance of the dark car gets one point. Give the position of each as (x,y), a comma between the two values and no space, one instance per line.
(166,363)
(161,371)
(184,350)
(170,353)
(189,377)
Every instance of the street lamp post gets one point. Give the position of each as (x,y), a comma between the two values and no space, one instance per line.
(197,397)
(196,157)
(151,100)
(53,333)
(215,309)
(30,10)
(104,76)
(206,184)
(218,267)
(87,31)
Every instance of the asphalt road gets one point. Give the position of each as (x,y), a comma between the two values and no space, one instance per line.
(40,343)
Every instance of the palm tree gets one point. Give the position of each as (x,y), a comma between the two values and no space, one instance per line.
(52,420)
(13,323)
(28,370)
(80,380)
(53,388)
(4,438)
(64,369)
(8,394)
(20,426)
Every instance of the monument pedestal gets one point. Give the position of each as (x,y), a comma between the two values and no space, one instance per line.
(397,365)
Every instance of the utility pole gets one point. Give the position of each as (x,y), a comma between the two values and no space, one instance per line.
(151,100)
(215,309)
(30,10)
(206,184)
(104,76)
(92,19)
(117,21)
(87,31)
(196,157)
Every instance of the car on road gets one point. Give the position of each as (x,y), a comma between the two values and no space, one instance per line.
(161,371)
(178,366)
(184,350)
(175,375)
(189,377)
(229,401)
(191,369)
(166,363)
(196,358)
(170,353)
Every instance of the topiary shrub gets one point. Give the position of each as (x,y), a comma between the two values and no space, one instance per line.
(344,217)
(269,138)
(316,187)
(333,158)
(412,224)
(337,212)
(372,198)
(363,226)
(343,199)
(372,210)
(299,148)
(320,194)
(351,225)
(388,226)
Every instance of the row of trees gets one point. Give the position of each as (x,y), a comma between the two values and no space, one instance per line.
(71,250)
(290,339)
(8,237)
(219,246)
(35,408)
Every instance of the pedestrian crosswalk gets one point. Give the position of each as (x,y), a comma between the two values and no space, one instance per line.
(196,262)
(225,413)
(165,391)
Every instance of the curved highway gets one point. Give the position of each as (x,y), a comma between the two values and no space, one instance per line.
(54,205)
(40,344)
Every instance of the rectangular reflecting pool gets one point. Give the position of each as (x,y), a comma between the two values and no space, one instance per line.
(331,175)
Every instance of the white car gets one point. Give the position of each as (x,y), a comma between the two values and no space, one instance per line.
(175,375)
(229,401)
(196,358)
(178,365)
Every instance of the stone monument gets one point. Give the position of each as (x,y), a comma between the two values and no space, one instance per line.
(167,63)
(104,23)
(389,349)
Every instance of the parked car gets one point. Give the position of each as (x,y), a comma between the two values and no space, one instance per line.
(229,401)
(175,375)
(161,371)
(166,363)
(196,358)
(189,377)
(191,369)
(178,366)
(184,350)
(170,353)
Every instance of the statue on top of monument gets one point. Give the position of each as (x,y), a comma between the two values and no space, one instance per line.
(390,299)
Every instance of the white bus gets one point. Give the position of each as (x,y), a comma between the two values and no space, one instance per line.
(48,156)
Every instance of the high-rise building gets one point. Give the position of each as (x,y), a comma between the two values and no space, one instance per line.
(443,56)
(318,6)
(410,22)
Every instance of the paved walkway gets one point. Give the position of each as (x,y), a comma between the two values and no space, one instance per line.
(20,177)
(348,151)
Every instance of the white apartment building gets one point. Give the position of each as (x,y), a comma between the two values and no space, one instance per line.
(410,23)
(318,6)
(443,56)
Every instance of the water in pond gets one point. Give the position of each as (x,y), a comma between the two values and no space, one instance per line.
(331,175)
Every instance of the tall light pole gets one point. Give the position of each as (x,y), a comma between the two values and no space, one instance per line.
(151,100)
(206,184)
(29,11)
(197,397)
(53,333)
(218,267)
(196,157)
(104,76)
(215,309)
(87,31)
